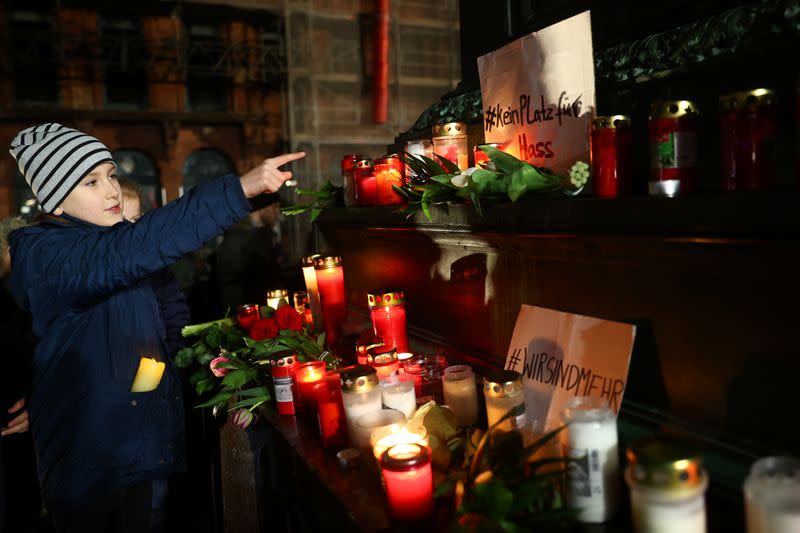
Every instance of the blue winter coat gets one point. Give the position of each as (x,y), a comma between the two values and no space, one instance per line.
(93,298)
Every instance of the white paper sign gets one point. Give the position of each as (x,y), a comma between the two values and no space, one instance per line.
(562,355)
(538,94)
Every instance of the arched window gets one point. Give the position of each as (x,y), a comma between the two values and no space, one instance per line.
(205,165)
(137,166)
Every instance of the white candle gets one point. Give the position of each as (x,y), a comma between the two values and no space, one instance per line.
(357,404)
(310,277)
(772,496)
(653,513)
(591,441)
(384,438)
(367,423)
(398,393)
(461,394)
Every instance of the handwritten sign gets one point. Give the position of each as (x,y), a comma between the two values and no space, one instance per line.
(562,355)
(538,94)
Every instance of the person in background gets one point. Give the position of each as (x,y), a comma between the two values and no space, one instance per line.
(132,206)
(87,277)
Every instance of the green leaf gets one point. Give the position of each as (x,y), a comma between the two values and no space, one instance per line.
(184,357)
(493,499)
(517,184)
(249,402)
(205,358)
(198,329)
(444,179)
(489,182)
(504,162)
(200,373)
(315,213)
(426,210)
(222,397)
(450,166)
(235,379)
(254,391)
(444,488)
(321,340)
(203,386)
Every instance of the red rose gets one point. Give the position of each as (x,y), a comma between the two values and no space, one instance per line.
(287,317)
(265,328)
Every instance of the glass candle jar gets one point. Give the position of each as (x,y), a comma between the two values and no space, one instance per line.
(398,393)
(387,309)
(481,159)
(369,422)
(330,279)
(591,442)
(330,412)
(283,370)
(612,156)
(461,394)
(389,171)
(348,178)
(417,148)
(366,341)
(384,361)
(275,296)
(450,142)
(247,315)
(667,484)
(360,395)
(504,391)
(303,306)
(772,496)
(673,147)
(306,376)
(748,128)
(427,371)
(404,433)
(366,188)
(407,474)
(404,357)
(310,277)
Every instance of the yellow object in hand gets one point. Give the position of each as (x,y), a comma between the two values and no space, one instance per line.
(148,376)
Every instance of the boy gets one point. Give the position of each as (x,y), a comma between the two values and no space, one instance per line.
(132,200)
(86,277)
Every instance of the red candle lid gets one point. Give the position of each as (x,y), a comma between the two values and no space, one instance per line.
(403,457)
(386,298)
(381,355)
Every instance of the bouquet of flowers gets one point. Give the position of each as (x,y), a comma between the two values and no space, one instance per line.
(232,365)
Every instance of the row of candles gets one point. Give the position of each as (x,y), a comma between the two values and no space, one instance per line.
(367,405)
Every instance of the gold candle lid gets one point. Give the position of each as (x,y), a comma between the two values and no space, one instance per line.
(386,298)
(364,163)
(308,260)
(502,383)
(665,463)
(284,358)
(247,307)
(358,378)
(754,98)
(381,355)
(449,129)
(277,293)
(327,261)
(673,109)
(611,121)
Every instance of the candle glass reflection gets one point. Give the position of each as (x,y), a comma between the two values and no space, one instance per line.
(310,276)
(330,279)
(461,394)
(306,376)
(407,474)
(388,313)
(247,315)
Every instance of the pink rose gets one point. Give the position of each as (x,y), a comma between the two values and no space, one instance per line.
(219,372)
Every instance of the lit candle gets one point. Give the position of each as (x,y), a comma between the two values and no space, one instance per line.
(330,412)
(360,395)
(384,438)
(247,315)
(148,376)
(404,357)
(503,391)
(310,276)
(283,370)
(306,376)
(667,484)
(398,393)
(772,496)
(591,442)
(388,312)
(330,279)
(388,171)
(275,296)
(366,188)
(383,360)
(407,473)
(368,423)
(366,341)
(461,394)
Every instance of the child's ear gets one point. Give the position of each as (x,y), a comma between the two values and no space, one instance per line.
(58,211)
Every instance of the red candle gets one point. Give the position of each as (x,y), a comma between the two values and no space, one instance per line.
(389,171)
(330,279)
(247,315)
(330,412)
(480,157)
(283,370)
(366,188)
(673,147)
(612,158)
(406,470)
(384,361)
(306,376)
(388,312)
(748,126)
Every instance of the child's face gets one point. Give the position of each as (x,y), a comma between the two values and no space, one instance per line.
(131,207)
(96,199)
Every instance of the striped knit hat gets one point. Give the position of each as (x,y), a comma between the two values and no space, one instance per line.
(54,159)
